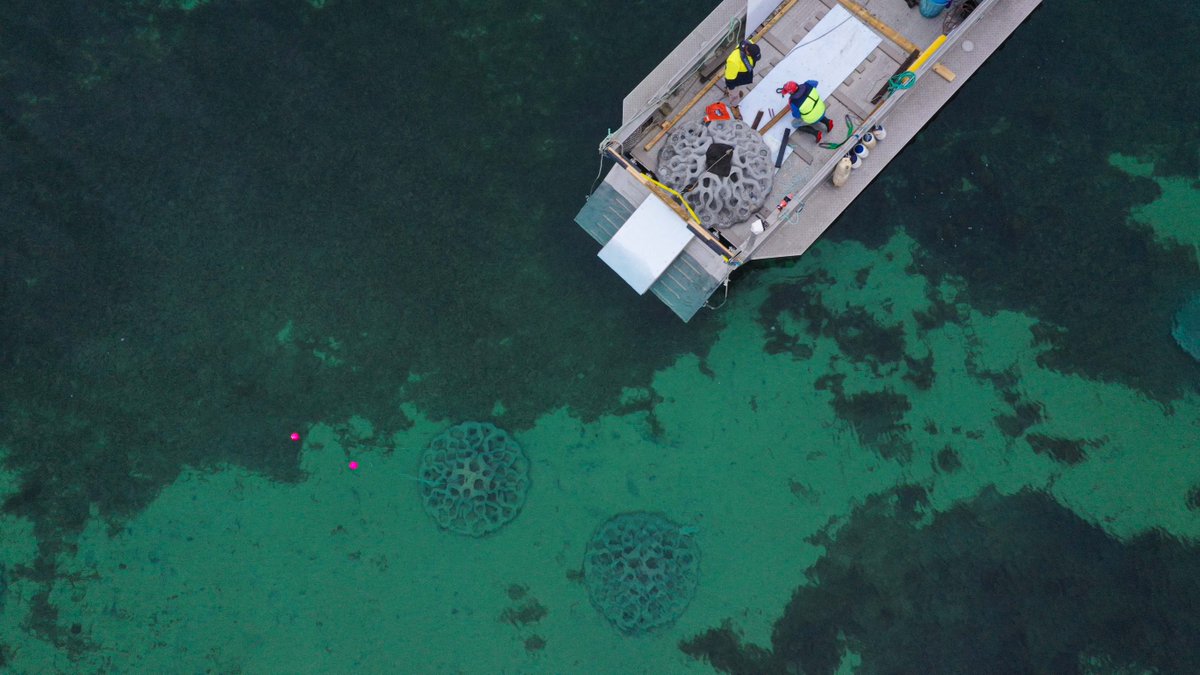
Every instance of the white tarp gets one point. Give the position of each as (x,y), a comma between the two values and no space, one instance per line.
(757,12)
(646,244)
(827,54)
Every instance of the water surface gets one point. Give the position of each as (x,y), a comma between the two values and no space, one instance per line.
(227,222)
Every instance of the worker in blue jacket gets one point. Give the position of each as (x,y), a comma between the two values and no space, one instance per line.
(739,70)
(808,110)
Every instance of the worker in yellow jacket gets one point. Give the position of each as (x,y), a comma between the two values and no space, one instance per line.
(739,70)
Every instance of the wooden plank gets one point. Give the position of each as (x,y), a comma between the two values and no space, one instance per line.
(947,74)
(774,120)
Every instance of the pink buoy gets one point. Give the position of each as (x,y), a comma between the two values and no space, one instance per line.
(353,465)
(295,436)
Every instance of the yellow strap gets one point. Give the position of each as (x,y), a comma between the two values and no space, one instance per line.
(686,205)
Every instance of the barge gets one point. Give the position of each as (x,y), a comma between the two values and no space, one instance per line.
(692,194)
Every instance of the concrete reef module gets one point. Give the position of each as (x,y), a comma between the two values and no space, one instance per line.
(474,478)
(724,167)
(641,571)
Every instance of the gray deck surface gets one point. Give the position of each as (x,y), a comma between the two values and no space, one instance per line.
(903,122)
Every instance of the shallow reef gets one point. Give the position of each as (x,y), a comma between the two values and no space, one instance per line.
(859,335)
(1027,230)
(182,185)
(997,584)
(1062,450)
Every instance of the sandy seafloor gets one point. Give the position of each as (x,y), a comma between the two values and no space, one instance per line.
(344,572)
(756,439)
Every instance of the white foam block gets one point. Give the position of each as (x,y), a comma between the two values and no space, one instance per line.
(646,244)
(827,54)
(757,12)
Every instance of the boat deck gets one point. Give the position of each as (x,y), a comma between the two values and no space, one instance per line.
(852,96)
(804,173)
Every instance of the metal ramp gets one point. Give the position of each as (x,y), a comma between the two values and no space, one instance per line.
(686,285)
(604,213)
(688,281)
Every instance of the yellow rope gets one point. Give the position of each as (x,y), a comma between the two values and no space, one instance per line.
(686,205)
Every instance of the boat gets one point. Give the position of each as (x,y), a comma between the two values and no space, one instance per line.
(698,187)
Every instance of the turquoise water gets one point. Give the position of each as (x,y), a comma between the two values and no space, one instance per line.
(957,436)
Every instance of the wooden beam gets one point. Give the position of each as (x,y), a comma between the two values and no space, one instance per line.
(947,74)
(775,120)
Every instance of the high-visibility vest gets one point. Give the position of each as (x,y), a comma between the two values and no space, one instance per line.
(813,108)
(734,65)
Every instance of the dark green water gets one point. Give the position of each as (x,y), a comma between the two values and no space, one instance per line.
(394,186)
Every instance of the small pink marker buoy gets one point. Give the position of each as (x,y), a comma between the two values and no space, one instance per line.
(295,436)
(353,465)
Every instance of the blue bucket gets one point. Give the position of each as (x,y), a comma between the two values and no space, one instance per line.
(931,8)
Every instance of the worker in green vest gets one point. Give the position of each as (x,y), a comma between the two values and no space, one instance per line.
(808,110)
(739,70)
